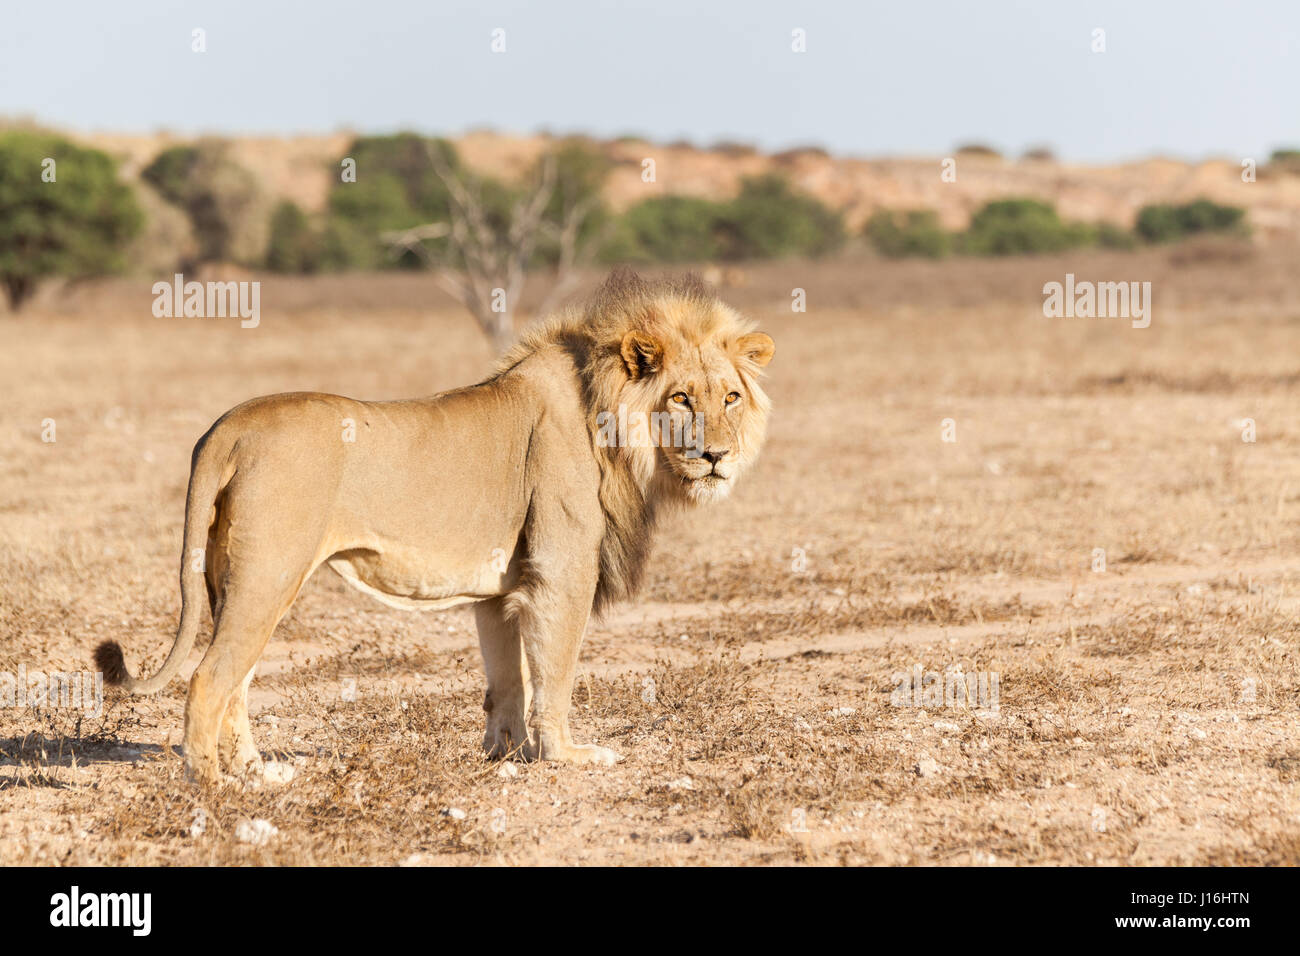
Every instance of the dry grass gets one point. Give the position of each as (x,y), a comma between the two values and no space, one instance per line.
(1146,714)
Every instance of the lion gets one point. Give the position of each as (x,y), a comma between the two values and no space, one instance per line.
(517,494)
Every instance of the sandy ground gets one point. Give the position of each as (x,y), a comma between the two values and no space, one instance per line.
(1098,539)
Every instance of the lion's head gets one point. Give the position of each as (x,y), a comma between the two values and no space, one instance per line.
(674,377)
(693,397)
(670,379)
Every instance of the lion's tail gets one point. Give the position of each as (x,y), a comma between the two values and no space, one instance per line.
(208,475)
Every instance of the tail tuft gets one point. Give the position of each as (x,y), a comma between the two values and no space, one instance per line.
(108,658)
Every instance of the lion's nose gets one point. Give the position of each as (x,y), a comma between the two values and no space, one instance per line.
(715,455)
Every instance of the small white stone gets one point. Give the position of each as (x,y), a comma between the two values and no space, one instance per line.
(200,824)
(681,783)
(946,727)
(842,712)
(277,772)
(507,770)
(927,767)
(456,813)
(255,832)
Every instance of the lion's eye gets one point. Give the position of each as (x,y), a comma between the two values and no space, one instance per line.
(680,398)
(733,397)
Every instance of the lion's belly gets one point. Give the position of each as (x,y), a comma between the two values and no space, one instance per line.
(415,582)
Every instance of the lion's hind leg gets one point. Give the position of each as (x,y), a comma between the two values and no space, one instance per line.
(236,748)
(252,599)
(241,634)
(508,694)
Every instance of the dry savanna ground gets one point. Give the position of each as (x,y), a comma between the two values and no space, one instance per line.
(1146,710)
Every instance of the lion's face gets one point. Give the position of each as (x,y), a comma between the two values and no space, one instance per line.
(707,414)
(717,421)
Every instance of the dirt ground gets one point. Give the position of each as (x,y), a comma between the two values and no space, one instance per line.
(1098,551)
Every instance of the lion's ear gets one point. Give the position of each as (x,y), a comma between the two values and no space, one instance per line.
(641,354)
(757,347)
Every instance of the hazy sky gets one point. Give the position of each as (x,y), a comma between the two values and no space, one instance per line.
(1184,78)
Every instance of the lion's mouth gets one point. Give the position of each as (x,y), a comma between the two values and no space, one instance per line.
(714,478)
(708,478)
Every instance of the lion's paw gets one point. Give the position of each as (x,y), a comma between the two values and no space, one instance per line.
(588,754)
(507,747)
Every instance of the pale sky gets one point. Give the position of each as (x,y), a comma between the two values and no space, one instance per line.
(1178,77)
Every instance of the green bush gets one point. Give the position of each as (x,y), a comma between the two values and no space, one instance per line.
(898,235)
(733,149)
(1285,161)
(1167,223)
(221,198)
(169,173)
(769,220)
(294,245)
(1013,226)
(77,225)
(1110,236)
(667,229)
(1006,227)
(395,188)
(1103,235)
(766,220)
(978,149)
(346,245)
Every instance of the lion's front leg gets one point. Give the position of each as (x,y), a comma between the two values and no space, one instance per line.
(508,694)
(552,622)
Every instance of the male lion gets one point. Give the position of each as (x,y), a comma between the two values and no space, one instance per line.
(414,508)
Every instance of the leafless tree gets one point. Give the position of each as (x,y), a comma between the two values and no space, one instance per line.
(485,266)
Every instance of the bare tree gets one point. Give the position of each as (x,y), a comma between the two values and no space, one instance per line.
(485,265)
